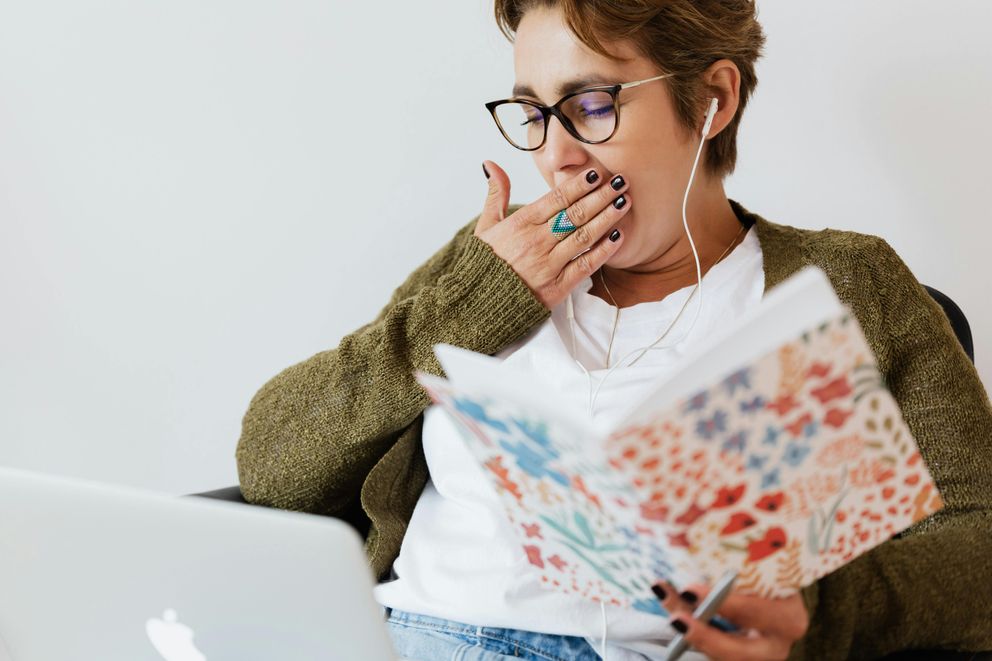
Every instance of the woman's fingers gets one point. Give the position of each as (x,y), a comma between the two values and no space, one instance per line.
(586,264)
(674,602)
(497,198)
(784,616)
(563,196)
(601,209)
(722,646)
(550,265)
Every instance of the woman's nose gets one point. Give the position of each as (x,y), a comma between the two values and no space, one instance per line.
(561,147)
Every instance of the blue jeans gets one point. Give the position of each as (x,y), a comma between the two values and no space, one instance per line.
(425,638)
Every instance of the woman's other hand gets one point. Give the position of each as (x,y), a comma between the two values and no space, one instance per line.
(552,266)
(768,627)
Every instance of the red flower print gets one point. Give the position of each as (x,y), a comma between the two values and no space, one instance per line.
(557,562)
(654,511)
(773,540)
(771,502)
(796,428)
(726,497)
(532,530)
(836,418)
(819,370)
(738,521)
(783,404)
(690,515)
(580,486)
(534,556)
(678,540)
(833,390)
(496,466)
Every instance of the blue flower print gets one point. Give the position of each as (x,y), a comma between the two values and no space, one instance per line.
(756,462)
(650,605)
(750,406)
(770,479)
(697,402)
(475,410)
(660,564)
(795,453)
(771,436)
(736,442)
(739,379)
(537,433)
(709,427)
(533,461)
(810,429)
(630,534)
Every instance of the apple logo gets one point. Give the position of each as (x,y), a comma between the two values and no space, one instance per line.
(172,639)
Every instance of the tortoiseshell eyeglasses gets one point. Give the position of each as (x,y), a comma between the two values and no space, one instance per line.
(591,115)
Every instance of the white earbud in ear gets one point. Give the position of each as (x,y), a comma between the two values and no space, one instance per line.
(714,104)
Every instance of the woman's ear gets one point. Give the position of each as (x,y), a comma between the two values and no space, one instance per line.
(722,81)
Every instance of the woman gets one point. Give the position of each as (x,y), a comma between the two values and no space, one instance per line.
(350,433)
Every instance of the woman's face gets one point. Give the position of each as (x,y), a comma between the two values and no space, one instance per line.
(647,149)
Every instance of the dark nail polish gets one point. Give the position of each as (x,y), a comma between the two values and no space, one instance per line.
(680,626)
(657,589)
(485,171)
(617,182)
(592,177)
(614,235)
(619,202)
(689,597)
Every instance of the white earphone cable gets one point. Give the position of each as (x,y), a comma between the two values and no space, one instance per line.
(570,310)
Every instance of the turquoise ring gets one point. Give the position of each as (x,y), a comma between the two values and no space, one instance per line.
(561,225)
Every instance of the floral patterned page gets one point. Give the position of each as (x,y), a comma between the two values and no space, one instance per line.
(783,470)
(574,514)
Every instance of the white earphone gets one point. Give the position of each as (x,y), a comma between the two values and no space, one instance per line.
(570,310)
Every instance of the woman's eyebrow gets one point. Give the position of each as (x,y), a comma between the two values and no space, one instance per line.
(565,87)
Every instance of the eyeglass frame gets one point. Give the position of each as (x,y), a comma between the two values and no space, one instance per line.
(613,90)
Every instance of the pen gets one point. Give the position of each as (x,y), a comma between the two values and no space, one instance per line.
(703,612)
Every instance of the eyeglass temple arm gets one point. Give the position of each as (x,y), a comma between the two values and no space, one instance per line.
(646,80)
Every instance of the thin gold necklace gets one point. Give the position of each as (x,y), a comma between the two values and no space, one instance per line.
(616,317)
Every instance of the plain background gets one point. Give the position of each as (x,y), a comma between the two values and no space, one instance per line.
(196,195)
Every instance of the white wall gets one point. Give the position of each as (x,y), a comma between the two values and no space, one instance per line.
(196,195)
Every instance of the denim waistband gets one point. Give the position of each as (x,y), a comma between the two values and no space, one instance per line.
(543,645)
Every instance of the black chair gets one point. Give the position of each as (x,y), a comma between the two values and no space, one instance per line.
(963,332)
(958,321)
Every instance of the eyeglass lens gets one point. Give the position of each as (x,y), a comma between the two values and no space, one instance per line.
(591,113)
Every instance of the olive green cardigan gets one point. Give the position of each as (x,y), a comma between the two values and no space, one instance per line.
(340,433)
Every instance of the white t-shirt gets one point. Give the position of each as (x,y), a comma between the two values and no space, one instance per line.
(460,558)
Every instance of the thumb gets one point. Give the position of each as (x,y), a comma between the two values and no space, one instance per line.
(497,198)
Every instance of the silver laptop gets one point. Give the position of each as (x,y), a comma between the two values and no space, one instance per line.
(90,571)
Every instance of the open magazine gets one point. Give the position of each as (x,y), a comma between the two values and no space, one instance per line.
(774,450)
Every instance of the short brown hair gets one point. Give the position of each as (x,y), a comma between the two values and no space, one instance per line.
(683,37)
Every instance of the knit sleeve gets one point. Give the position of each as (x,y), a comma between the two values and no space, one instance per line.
(928,587)
(312,433)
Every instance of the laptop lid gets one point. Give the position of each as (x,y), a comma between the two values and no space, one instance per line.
(106,572)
